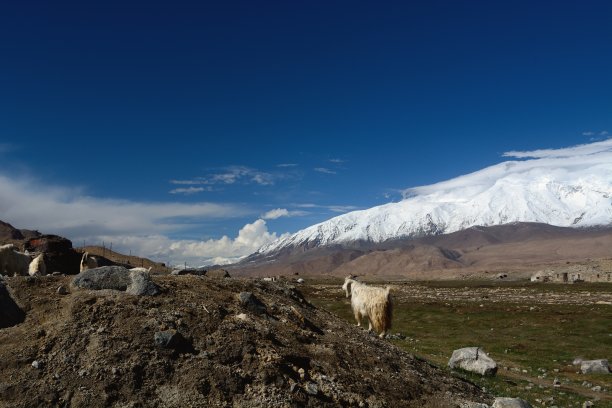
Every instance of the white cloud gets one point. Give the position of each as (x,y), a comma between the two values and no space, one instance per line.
(324,170)
(195,181)
(188,190)
(337,161)
(589,133)
(579,150)
(276,213)
(287,165)
(225,249)
(234,174)
(341,208)
(282,212)
(27,203)
(139,227)
(563,164)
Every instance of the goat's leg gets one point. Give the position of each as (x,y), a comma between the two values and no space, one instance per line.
(358,318)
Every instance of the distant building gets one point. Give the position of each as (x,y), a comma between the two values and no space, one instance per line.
(573,274)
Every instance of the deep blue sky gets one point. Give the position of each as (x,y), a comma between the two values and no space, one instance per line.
(118,99)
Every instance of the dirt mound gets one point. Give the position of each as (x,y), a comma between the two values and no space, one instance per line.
(203,342)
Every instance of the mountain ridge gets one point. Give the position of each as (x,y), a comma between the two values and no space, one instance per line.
(558,188)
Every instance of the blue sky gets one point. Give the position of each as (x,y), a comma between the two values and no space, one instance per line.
(177,123)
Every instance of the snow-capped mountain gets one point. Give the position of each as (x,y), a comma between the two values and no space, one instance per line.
(564,187)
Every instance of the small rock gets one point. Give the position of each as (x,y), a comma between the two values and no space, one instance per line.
(596,388)
(594,367)
(502,402)
(37,364)
(251,303)
(171,339)
(62,290)
(473,359)
(311,388)
(470,404)
(588,404)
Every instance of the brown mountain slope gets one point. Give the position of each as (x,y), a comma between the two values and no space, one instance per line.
(420,259)
(130,261)
(519,248)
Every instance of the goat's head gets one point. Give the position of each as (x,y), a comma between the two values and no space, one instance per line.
(348,281)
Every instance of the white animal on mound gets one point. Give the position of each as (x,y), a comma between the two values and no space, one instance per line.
(371,302)
(88,262)
(37,266)
(13,262)
(141,269)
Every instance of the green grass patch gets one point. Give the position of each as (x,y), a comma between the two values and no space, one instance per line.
(532,346)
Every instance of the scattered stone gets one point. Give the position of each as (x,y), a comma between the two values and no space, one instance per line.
(141,284)
(596,388)
(171,339)
(117,278)
(311,388)
(251,303)
(62,290)
(588,404)
(37,364)
(594,367)
(556,383)
(300,280)
(471,404)
(503,402)
(473,359)
(242,316)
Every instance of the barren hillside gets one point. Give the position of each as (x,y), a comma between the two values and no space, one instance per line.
(105,348)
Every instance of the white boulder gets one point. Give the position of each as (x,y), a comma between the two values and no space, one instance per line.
(473,359)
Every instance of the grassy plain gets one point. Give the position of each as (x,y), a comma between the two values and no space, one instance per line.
(532,331)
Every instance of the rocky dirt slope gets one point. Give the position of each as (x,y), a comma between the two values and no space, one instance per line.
(203,342)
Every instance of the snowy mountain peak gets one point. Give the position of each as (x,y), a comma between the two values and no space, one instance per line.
(569,187)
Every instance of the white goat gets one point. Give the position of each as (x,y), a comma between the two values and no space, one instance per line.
(37,266)
(88,262)
(141,269)
(13,262)
(371,302)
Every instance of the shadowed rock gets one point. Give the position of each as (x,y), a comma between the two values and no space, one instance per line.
(251,303)
(116,278)
(10,313)
(171,339)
